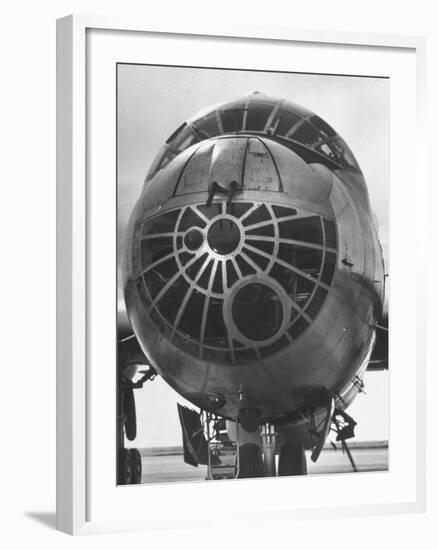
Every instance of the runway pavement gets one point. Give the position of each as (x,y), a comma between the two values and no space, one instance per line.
(167,465)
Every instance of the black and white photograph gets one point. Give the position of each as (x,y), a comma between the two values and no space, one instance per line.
(252,274)
(227,215)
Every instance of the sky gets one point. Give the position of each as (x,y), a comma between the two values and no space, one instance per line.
(153,101)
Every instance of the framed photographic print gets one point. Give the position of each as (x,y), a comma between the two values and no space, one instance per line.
(232,236)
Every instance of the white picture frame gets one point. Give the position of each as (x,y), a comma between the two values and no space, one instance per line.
(75,468)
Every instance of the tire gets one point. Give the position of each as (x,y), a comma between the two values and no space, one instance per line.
(251,464)
(124,467)
(292,460)
(136,466)
(130,412)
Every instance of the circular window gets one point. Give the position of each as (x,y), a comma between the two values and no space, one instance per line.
(193,239)
(224,236)
(257,311)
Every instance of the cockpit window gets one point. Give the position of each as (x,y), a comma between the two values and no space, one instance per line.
(207,126)
(184,139)
(234,285)
(323,126)
(342,153)
(235,117)
(257,116)
(284,121)
(306,134)
(176,133)
(279,119)
(232,119)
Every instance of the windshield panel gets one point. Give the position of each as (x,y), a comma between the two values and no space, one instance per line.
(257,116)
(266,116)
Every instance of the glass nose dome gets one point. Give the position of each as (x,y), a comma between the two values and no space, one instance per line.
(233,283)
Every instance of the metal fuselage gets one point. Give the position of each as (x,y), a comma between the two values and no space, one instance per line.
(287,366)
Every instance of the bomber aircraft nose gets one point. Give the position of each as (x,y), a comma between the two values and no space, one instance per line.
(232,277)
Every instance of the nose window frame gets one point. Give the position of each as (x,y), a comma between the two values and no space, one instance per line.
(309,266)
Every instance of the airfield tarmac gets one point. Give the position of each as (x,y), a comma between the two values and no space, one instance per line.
(167,465)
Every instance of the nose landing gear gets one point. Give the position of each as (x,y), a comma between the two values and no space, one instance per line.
(260,460)
(292,459)
(269,441)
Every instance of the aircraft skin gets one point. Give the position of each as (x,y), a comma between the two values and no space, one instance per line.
(271,299)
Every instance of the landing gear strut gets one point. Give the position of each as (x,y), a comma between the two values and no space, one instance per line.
(292,460)
(129,463)
(269,438)
(233,449)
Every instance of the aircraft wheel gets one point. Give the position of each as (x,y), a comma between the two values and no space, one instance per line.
(136,466)
(124,467)
(292,460)
(251,464)
(130,412)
